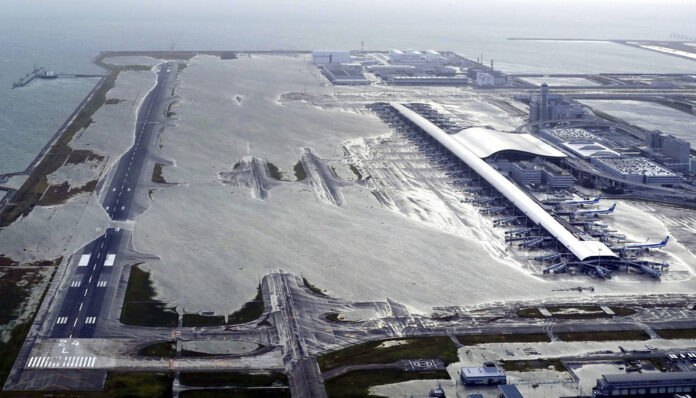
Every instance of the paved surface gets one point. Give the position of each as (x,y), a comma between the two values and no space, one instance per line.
(82,303)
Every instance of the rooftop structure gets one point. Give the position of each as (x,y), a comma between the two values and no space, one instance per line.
(324,57)
(645,384)
(582,249)
(566,134)
(429,80)
(346,74)
(489,373)
(526,173)
(486,142)
(556,177)
(490,79)
(637,169)
(588,148)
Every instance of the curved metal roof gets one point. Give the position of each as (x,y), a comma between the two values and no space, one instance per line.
(486,142)
(582,249)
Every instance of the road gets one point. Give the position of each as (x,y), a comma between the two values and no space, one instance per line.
(81,306)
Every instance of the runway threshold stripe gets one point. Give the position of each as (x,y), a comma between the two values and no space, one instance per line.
(31,362)
(91,362)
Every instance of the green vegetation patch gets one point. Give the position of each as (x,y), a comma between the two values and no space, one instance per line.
(7,262)
(162,349)
(36,184)
(139,306)
(612,335)
(313,288)
(202,320)
(275,171)
(236,379)
(59,193)
(356,172)
(137,384)
(367,353)
(503,338)
(623,311)
(170,112)
(10,350)
(333,317)
(157,174)
(79,156)
(676,333)
(241,393)
(358,383)
(12,294)
(300,173)
(535,364)
(249,311)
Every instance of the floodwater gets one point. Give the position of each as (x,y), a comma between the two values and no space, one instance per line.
(220,240)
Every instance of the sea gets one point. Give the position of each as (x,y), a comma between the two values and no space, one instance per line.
(64,36)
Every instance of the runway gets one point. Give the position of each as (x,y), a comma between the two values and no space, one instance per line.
(81,306)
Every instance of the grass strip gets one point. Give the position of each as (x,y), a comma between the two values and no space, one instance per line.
(237,393)
(503,338)
(358,383)
(139,306)
(676,333)
(249,311)
(236,379)
(367,353)
(611,335)
(157,174)
(300,173)
(158,350)
(534,364)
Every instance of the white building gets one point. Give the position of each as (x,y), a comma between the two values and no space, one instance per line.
(489,373)
(325,57)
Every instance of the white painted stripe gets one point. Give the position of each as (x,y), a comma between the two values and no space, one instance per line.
(110,258)
(91,361)
(31,362)
(84,260)
(41,362)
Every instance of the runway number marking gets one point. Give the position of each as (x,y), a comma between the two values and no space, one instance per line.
(64,343)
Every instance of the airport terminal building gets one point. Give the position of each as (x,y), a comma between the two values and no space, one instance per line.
(645,384)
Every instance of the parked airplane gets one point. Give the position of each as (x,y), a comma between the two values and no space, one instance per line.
(639,246)
(605,211)
(582,201)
